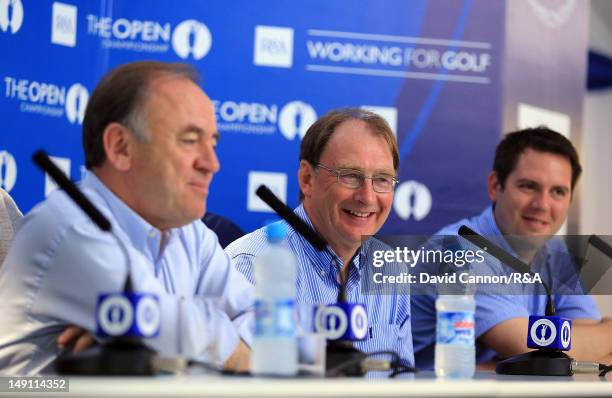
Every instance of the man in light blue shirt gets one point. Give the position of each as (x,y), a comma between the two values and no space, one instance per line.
(348,163)
(531,185)
(149,136)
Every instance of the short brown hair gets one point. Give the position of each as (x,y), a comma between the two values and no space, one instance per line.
(318,135)
(120,97)
(541,139)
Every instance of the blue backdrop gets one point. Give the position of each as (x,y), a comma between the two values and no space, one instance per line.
(431,68)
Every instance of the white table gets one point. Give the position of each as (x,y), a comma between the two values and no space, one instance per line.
(421,385)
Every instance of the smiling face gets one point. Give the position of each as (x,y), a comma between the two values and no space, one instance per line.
(536,196)
(171,171)
(343,215)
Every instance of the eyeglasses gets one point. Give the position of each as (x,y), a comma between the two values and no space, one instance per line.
(381,183)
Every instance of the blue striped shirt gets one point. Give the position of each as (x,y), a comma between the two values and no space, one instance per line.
(318,282)
(493,309)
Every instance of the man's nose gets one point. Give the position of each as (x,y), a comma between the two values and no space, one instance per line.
(541,201)
(208,160)
(365,193)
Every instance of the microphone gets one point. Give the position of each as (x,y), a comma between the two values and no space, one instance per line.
(507,259)
(549,334)
(342,322)
(292,219)
(601,245)
(42,160)
(126,316)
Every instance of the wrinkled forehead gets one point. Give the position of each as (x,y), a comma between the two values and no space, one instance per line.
(179,90)
(180,100)
(355,143)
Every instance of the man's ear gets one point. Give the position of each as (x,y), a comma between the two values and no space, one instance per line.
(306,177)
(118,146)
(493,186)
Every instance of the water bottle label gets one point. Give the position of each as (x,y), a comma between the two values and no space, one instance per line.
(274,318)
(455,328)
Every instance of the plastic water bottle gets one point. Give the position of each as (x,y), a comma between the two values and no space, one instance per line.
(275,344)
(455,355)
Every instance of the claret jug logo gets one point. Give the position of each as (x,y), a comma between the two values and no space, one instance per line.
(191,38)
(295,119)
(11,15)
(543,332)
(412,199)
(291,120)
(76,102)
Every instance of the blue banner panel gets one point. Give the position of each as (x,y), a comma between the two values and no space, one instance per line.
(430,68)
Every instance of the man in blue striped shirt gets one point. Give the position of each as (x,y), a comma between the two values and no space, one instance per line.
(339,154)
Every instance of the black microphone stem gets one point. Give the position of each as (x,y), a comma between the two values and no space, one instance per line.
(601,245)
(507,259)
(288,215)
(43,161)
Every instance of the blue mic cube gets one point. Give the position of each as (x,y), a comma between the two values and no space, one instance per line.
(550,332)
(342,321)
(128,315)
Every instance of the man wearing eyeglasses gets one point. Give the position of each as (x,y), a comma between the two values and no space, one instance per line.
(348,166)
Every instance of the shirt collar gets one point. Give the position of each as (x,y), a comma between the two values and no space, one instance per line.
(490,229)
(142,235)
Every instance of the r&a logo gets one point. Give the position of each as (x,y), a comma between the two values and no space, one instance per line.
(273,46)
(277,182)
(64,24)
(388,113)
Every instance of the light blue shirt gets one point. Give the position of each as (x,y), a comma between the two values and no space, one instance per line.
(318,283)
(493,309)
(60,261)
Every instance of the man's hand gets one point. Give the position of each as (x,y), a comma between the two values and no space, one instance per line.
(79,338)
(240,360)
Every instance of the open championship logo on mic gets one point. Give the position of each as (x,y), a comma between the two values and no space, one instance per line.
(333,321)
(543,332)
(566,334)
(11,15)
(191,37)
(115,315)
(295,118)
(412,199)
(128,314)
(8,171)
(76,102)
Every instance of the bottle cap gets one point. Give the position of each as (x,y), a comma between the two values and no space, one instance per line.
(276,231)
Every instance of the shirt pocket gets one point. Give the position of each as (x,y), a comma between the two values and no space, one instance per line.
(380,337)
